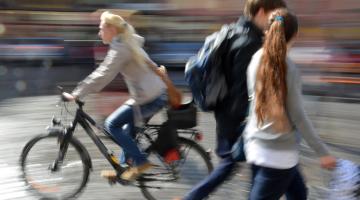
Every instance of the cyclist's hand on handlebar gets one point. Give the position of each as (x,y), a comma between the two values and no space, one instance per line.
(67,97)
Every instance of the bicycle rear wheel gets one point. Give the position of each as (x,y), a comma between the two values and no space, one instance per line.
(37,161)
(166,181)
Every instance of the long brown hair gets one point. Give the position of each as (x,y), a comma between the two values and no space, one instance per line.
(271,88)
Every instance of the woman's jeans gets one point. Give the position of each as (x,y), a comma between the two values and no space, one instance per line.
(271,184)
(121,126)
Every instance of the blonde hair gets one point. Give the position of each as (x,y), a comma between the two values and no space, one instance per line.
(126,33)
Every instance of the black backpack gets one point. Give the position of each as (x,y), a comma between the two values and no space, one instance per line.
(204,71)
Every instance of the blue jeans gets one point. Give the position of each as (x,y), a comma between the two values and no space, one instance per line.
(121,126)
(271,184)
(222,171)
(228,129)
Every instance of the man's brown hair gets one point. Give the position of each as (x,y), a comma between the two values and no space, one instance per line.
(253,6)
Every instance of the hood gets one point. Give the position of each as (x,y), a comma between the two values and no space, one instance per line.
(118,42)
(139,39)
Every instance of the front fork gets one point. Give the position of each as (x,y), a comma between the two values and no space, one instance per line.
(64,138)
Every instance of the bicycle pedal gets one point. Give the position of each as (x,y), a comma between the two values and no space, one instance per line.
(123,182)
(112,181)
(116,179)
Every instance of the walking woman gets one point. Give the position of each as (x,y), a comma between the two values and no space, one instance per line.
(147,89)
(277,117)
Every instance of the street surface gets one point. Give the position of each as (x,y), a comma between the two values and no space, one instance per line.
(23,118)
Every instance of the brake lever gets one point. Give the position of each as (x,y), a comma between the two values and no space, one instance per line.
(60,88)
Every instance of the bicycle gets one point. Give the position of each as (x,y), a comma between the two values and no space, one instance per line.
(60,153)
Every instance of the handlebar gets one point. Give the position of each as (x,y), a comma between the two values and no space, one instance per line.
(64,99)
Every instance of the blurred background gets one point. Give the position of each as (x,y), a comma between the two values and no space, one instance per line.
(48,42)
(45,43)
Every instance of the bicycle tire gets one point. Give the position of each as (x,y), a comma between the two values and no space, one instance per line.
(44,142)
(152,181)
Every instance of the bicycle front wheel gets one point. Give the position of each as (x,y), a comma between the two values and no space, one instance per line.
(166,181)
(64,181)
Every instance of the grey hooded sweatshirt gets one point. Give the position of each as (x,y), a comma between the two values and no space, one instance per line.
(143,84)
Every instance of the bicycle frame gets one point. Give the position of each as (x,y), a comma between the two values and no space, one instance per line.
(85,120)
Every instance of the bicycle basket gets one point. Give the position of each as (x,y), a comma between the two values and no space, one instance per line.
(183,117)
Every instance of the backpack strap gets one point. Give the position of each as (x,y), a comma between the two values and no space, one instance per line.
(174,95)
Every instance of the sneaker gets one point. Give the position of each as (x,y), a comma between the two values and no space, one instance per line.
(111,175)
(133,172)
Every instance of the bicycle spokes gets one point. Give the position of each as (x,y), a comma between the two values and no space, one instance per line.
(176,177)
(47,175)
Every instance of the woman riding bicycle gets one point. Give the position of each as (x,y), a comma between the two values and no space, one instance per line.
(147,89)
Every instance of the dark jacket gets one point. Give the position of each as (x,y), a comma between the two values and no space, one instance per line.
(235,104)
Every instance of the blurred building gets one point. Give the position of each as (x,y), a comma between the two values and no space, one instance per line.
(51,33)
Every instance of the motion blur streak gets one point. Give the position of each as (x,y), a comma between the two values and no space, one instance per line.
(45,43)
